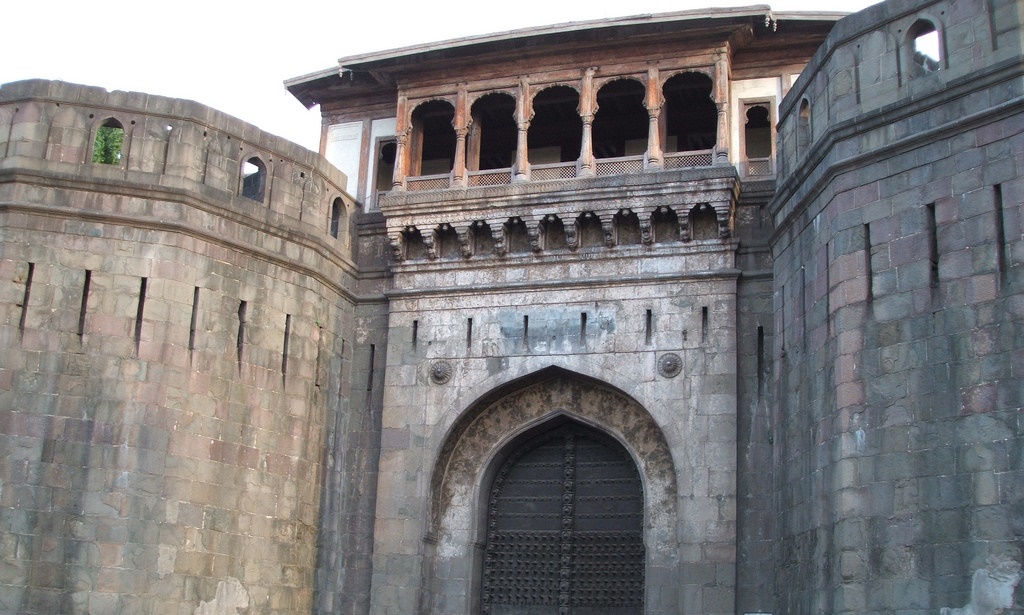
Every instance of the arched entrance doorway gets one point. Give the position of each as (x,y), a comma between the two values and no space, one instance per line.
(501,429)
(565,528)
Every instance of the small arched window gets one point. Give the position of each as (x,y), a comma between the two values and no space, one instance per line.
(337,214)
(109,141)
(924,46)
(254,179)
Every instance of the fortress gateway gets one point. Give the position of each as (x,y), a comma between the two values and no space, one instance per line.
(705,312)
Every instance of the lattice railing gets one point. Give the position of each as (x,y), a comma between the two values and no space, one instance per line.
(759,166)
(620,166)
(489,178)
(427,182)
(686,160)
(545,172)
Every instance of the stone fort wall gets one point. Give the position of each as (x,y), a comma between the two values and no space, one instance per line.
(174,352)
(898,295)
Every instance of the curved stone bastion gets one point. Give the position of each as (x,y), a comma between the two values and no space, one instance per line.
(171,330)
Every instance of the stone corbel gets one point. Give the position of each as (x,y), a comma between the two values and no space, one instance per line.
(498,235)
(533,232)
(430,244)
(465,242)
(572,235)
(608,226)
(684,225)
(397,243)
(646,235)
(724,214)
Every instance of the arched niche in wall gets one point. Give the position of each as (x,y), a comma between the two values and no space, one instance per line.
(338,216)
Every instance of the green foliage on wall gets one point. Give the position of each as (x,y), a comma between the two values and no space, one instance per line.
(109,140)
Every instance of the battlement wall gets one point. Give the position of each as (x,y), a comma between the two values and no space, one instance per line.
(177,145)
(175,355)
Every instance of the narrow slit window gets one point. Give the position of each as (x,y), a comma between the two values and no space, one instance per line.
(997,204)
(369,372)
(760,362)
(583,328)
(933,247)
(415,332)
(84,306)
(192,323)
(25,298)
(138,314)
(341,370)
(704,324)
(648,331)
(240,337)
(469,333)
(284,346)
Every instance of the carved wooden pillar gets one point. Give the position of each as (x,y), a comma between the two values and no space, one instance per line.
(401,145)
(587,109)
(654,103)
(461,126)
(524,113)
(721,95)
(473,145)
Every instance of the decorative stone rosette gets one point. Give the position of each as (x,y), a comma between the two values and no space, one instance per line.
(670,364)
(440,372)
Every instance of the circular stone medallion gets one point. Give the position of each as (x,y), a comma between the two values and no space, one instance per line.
(669,365)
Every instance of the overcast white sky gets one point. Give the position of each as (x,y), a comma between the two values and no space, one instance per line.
(234,56)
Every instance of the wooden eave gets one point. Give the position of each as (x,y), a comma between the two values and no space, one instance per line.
(371,74)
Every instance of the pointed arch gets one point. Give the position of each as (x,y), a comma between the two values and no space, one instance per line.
(482,439)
